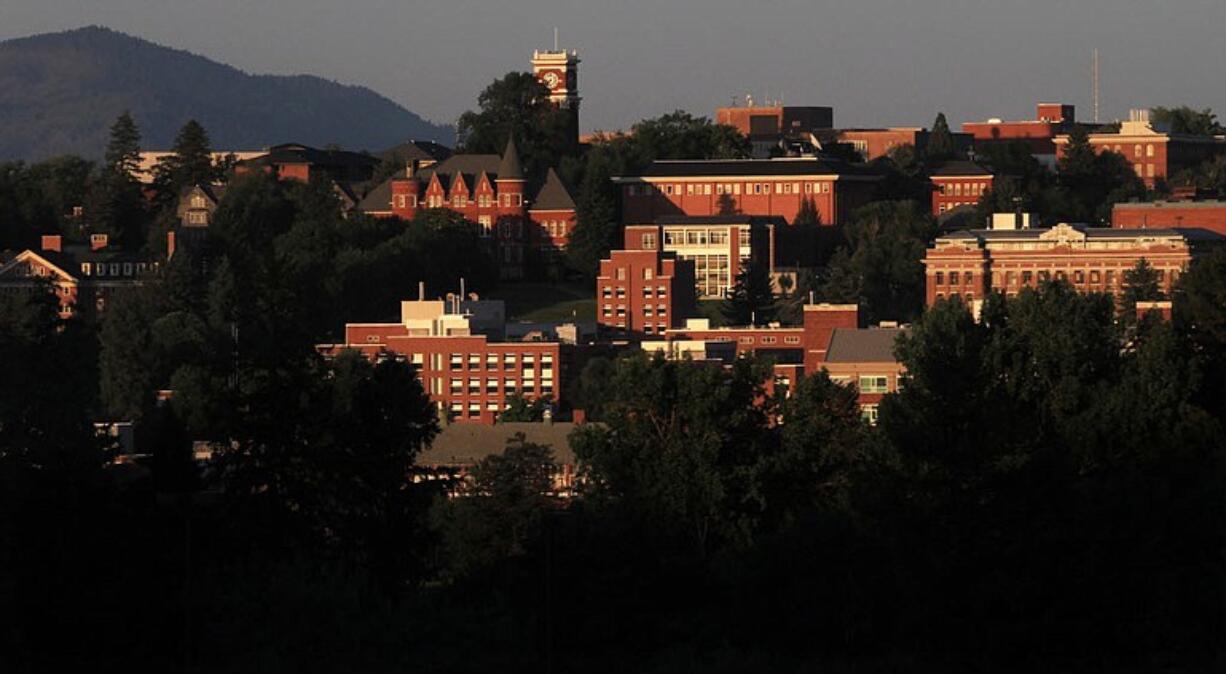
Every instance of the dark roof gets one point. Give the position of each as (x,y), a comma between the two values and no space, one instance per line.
(1102,233)
(214,192)
(749,167)
(872,345)
(959,167)
(379,199)
(472,164)
(510,168)
(1207,203)
(417,150)
(733,219)
(466,444)
(295,153)
(553,195)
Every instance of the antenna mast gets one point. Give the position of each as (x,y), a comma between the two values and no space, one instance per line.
(555,38)
(1094,77)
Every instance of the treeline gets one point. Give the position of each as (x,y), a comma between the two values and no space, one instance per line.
(1044,492)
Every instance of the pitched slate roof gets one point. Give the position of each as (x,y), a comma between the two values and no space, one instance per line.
(872,345)
(466,444)
(959,167)
(417,150)
(378,199)
(510,168)
(553,195)
(472,164)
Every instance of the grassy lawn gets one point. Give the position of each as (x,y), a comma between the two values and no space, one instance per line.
(543,302)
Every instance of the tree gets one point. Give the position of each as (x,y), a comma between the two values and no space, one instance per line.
(190,163)
(116,205)
(1092,182)
(807,213)
(940,141)
(680,135)
(751,301)
(501,505)
(1141,284)
(597,230)
(1184,119)
(517,105)
(879,266)
(123,149)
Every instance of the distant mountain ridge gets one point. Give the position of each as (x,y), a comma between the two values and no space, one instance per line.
(60,92)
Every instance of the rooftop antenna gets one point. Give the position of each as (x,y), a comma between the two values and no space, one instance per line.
(1094,78)
(555,38)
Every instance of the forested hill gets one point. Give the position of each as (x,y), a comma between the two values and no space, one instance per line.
(59,93)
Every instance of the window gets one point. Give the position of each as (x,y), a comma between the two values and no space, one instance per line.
(1149,150)
(649,241)
(487,225)
(1136,150)
(459,201)
(791,339)
(197,218)
(874,383)
(621,273)
(745,340)
(647,276)
(768,340)
(953,278)
(869,414)
(940,278)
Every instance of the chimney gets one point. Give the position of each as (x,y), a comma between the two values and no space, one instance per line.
(98,241)
(170,244)
(53,243)
(421,291)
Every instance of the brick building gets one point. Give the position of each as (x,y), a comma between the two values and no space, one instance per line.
(973,263)
(1154,153)
(294,161)
(84,278)
(1051,119)
(958,183)
(522,221)
(829,339)
(717,246)
(1210,215)
(643,292)
(769,126)
(761,187)
(873,144)
(469,373)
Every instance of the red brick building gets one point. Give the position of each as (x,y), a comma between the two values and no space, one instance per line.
(643,292)
(958,183)
(767,126)
(973,263)
(294,161)
(521,221)
(829,339)
(1155,154)
(717,246)
(83,277)
(1051,119)
(873,144)
(469,375)
(1210,215)
(761,187)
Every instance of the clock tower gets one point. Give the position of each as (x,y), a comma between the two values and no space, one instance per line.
(558,70)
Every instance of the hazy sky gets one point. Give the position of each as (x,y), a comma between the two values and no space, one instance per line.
(878,62)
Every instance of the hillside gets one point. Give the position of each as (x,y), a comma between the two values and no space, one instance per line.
(59,93)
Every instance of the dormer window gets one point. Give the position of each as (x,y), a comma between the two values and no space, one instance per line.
(197,201)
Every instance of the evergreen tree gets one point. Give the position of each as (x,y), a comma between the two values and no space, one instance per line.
(123,150)
(940,141)
(751,299)
(807,213)
(190,163)
(1141,284)
(597,230)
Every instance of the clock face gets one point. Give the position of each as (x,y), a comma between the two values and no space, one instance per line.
(551,80)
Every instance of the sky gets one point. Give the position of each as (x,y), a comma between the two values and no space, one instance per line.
(877,62)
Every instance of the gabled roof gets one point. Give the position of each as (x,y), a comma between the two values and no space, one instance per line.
(510,168)
(463,163)
(872,345)
(960,168)
(417,150)
(553,195)
(57,263)
(214,192)
(466,444)
(379,199)
(296,153)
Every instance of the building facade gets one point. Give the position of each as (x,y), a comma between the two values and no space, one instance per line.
(524,224)
(958,183)
(758,187)
(84,278)
(1154,153)
(470,376)
(1209,215)
(769,126)
(643,292)
(865,358)
(872,144)
(718,246)
(1051,120)
(974,263)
